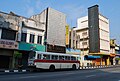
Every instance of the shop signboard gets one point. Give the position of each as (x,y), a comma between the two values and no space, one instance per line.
(8,44)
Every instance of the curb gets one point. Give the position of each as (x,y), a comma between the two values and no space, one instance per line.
(13,71)
(7,72)
(98,67)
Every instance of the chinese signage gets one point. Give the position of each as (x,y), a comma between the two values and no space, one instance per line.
(8,44)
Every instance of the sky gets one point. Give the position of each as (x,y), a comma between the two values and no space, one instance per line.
(73,9)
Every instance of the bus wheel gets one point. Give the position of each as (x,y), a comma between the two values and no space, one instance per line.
(52,68)
(74,67)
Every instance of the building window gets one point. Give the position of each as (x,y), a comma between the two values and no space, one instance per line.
(8,34)
(39,40)
(32,38)
(23,37)
(84,33)
(84,43)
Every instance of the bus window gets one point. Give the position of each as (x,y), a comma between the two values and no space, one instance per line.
(32,55)
(67,57)
(39,56)
(78,58)
(46,57)
(54,57)
(73,58)
(61,58)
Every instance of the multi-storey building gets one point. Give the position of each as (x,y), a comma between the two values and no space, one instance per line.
(55,23)
(82,39)
(93,33)
(112,51)
(117,52)
(8,33)
(30,38)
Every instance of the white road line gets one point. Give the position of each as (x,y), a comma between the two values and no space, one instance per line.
(28,77)
(90,76)
(70,73)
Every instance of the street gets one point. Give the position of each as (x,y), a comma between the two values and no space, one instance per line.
(106,74)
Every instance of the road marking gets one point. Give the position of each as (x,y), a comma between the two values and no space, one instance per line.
(90,76)
(70,73)
(29,77)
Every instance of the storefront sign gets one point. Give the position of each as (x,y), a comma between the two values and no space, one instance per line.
(73,51)
(28,47)
(8,44)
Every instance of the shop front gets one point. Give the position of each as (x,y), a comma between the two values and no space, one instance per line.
(21,56)
(104,60)
(7,48)
(95,59)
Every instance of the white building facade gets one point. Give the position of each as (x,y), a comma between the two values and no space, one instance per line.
(82,32)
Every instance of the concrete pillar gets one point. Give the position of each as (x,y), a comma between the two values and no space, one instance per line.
(101,63)
(28,38)
(35,39)
(114,62)
(108,62)
(11,62)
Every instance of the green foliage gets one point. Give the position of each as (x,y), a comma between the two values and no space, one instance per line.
(17,54)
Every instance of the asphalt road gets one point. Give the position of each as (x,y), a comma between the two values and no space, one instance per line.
(108,74)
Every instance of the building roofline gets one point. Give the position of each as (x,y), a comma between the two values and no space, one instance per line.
(94,6)
(13,14)
(103,15)
(77,29)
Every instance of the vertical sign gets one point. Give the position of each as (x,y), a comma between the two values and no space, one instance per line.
(67,35)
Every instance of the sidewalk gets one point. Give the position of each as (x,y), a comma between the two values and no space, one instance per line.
(98,67)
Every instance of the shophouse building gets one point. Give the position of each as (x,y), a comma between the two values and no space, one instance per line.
(30,38)
(19,36)
(8,33)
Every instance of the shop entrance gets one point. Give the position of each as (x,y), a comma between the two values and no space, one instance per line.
(4,62)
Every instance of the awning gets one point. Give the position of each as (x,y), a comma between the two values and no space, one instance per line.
(112,55)
(99,53)
(90,57)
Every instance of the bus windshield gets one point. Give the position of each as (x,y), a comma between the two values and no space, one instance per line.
(32,55)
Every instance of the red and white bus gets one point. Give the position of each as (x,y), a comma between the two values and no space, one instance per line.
(52,61)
